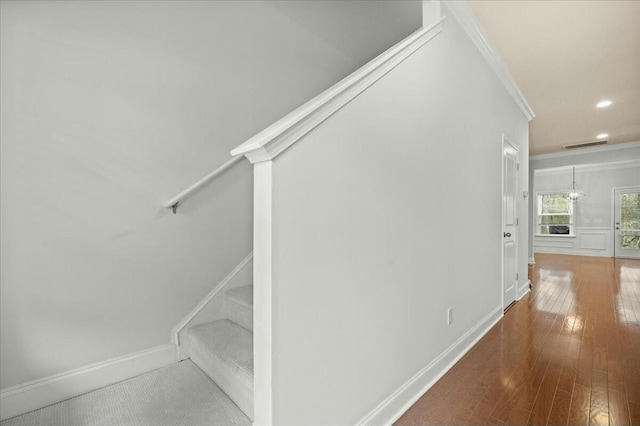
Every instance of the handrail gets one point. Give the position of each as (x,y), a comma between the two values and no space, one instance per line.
(279,136)
(174,202)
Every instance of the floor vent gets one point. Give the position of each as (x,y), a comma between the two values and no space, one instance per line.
(586,144)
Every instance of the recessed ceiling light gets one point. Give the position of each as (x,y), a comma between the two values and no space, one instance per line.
(602,136)
(603,104)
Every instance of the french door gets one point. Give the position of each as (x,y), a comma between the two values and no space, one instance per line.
(627,222)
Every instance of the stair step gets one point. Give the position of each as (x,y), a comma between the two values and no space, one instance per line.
(224,351)
(241,295)
(240,306)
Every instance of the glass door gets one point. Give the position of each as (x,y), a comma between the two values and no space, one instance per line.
(627,222)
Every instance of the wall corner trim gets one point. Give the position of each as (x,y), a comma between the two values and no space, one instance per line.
(21,399)
(275,139)
(469,22)
(390,410)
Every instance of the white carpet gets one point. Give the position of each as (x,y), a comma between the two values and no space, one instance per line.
(178,395)
(224,351)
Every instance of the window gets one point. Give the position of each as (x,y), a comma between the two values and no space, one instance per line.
(555,214)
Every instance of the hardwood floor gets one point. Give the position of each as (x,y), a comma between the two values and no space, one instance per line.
(567,353)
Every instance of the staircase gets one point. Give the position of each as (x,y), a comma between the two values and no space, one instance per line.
(224,349)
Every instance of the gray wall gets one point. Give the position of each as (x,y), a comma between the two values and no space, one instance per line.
(594,222)
(384,216)
(597,206)
(111,107)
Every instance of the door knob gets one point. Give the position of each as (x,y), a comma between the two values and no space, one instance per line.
(506,234)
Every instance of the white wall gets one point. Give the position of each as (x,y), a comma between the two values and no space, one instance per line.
(594,235)
(111,107)
(588,156)
(383,216)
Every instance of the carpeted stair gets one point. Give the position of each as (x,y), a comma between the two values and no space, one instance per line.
(224,349)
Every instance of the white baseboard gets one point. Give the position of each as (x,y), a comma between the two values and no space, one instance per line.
(524,289)
(571,252)
(390,410)
(532,261)
(30,396)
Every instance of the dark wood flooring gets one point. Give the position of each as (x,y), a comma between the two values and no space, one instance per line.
(567,353)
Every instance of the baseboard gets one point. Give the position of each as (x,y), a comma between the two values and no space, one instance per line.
(524,289)
(532,261)
(547,250)
(33,395)
(390,410)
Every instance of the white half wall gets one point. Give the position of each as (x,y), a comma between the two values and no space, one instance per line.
(383,217)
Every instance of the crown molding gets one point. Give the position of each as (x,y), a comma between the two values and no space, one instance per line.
(580,151)
(469,22)
(561,170)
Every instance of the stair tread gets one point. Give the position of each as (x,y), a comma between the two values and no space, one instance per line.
(228,341)
(242,295)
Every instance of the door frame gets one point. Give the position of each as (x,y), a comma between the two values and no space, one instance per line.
(613,216)
(507,140)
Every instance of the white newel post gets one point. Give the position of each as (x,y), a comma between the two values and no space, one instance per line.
(262,276)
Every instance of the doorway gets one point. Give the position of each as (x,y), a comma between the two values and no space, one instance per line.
(510,169)
(626,214)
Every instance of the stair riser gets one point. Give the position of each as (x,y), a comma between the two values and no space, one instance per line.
(240,314)
(238,386)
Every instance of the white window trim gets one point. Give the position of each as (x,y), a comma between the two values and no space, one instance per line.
(572,218)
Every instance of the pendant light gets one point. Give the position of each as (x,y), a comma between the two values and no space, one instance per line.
(574,193)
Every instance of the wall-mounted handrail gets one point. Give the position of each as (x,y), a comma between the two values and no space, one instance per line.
(174,202)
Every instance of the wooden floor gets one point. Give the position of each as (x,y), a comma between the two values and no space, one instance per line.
(568,353)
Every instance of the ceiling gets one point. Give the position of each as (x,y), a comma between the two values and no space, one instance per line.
(566,56)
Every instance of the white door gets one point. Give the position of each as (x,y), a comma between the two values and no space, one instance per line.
(627,222)
(509,222)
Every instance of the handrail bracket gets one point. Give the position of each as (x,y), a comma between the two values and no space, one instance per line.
(174,202)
